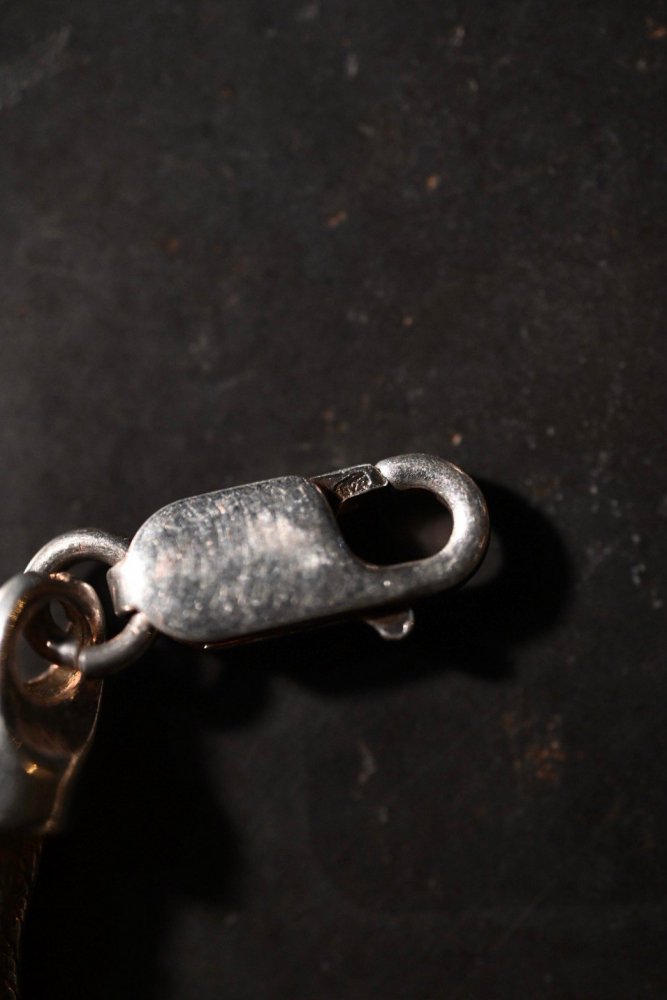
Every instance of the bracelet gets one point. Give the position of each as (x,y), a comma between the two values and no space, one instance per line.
(225,567)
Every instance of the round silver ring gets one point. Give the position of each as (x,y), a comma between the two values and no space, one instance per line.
(137,634)
(21,600)
(72,547)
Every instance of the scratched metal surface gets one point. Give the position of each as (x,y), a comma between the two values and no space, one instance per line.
(271,556)
(244,240)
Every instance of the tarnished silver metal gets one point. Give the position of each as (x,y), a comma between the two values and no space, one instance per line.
(213,569)
(257,559)
(93,660)
(46,724)
(77,546)
(108,657)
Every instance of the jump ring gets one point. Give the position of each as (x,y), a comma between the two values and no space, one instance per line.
(21,600)
(107,657)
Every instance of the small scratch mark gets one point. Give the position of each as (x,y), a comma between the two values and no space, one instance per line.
(368,766)
(227,384)
(42,60)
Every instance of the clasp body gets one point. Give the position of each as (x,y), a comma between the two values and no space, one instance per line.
(269,556)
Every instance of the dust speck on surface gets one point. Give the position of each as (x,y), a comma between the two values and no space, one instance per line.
(337,219)
(537,751)
(171,246)
(351,65)
(656,32)
(457,36)
(357,316)
(310,12)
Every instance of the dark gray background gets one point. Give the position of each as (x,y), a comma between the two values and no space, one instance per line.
(247,238)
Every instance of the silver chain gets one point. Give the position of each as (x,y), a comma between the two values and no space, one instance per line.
(208,570)
(262,558)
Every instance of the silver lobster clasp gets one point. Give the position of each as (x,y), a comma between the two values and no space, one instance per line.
(252,560)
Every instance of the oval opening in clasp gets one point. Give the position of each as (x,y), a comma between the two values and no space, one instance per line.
(388,526)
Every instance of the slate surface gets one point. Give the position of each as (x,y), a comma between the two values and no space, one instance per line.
(241,239)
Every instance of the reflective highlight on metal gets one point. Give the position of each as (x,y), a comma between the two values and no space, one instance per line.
(46,724)
(72,547)
(252,560)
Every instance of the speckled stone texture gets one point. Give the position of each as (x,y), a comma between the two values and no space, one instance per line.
(247,238)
